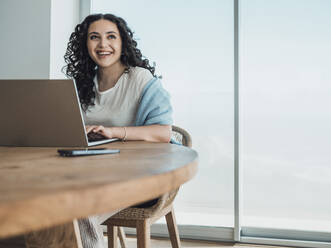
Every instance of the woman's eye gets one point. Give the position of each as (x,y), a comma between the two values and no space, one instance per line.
(111,36)
(93,37)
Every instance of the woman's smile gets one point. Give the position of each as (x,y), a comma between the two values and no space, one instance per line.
(103,54)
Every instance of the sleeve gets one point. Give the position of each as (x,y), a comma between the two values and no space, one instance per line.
(154,105)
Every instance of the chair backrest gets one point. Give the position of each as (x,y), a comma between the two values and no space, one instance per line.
(181,136)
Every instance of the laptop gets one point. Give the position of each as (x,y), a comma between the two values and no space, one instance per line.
(42,113)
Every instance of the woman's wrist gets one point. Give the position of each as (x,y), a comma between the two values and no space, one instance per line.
(119,132)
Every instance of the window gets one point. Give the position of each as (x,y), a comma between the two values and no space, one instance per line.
(192,45)
(286,118)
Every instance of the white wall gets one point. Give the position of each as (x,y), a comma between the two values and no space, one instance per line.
(34,36)
(64,18)
(25,39)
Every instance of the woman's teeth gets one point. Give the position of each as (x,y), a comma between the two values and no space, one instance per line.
(103,53)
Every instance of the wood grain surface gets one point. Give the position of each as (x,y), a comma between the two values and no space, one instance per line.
(40,189)
(60,236)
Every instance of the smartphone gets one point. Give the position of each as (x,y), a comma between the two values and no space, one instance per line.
(86,152)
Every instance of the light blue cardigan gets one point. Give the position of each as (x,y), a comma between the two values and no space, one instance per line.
(154,106)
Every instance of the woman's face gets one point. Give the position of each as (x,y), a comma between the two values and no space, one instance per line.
(104,43)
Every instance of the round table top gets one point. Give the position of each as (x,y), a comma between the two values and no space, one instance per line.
(39,188)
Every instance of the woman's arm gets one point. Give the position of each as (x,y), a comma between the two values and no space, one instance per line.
(152,133)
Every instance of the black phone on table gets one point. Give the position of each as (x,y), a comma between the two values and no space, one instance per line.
(86,152)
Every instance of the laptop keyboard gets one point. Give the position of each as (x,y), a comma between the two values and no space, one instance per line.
(95,137)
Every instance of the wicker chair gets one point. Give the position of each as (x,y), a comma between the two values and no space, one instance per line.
(142,218)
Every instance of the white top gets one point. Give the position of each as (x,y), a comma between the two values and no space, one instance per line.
(118,105)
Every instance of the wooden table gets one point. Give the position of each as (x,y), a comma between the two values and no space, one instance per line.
(40,189)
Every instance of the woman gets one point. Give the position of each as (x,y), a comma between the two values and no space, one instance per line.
(119,93)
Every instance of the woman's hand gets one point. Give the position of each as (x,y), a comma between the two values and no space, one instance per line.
(152,133)
(105,131)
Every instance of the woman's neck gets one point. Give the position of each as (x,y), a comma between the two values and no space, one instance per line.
(108,77)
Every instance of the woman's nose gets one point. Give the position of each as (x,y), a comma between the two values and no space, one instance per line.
(103,42)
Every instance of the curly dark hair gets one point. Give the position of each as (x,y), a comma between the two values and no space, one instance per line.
(83,69)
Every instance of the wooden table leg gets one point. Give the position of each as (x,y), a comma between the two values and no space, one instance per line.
(62,236)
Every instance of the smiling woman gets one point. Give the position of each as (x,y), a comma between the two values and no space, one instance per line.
(112,77)
(119,93)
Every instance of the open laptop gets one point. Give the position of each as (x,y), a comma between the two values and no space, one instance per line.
(42,113)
